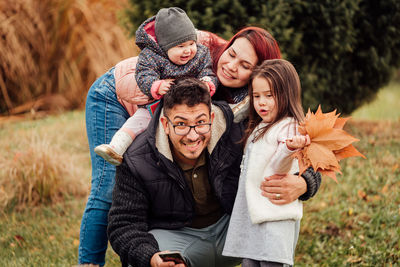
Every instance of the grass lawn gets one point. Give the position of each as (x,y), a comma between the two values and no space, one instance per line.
(386,106)
(353,223)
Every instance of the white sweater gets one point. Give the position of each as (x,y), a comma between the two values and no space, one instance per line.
(269,156)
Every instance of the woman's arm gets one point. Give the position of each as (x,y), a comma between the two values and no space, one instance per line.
(291,187)
(313,180)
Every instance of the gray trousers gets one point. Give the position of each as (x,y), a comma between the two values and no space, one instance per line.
(200,247)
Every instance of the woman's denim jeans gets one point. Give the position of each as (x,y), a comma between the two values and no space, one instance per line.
(104,116)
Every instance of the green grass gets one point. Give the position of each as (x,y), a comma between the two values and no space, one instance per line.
(353,223)
(357,221)
(386,106)
(47,235)
(44,236)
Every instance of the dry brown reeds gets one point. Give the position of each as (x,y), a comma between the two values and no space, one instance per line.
(56,47)
(43,165)
(40,174)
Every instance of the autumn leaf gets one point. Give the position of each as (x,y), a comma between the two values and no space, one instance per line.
(329,143)
(316,152)
(361,194)
(340,122)
(319,122)
(333,139)
(348,151)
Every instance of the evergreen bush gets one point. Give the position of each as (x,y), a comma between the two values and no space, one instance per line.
(344,51)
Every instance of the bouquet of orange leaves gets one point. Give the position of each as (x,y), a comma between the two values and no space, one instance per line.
(329,143)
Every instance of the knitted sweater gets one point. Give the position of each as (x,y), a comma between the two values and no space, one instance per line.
(154,65)
(268,156)
(128,92)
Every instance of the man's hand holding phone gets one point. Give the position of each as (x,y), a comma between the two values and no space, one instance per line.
(168,258)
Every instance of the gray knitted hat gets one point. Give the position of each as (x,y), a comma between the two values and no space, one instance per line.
(173,27)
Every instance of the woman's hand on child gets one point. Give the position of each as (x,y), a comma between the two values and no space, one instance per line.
(283,188)
(164,87)
(298,141)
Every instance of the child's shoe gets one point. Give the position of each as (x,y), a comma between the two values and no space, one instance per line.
(108,153)
(114,151)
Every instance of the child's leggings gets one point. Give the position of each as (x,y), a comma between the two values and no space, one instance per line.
(137,123)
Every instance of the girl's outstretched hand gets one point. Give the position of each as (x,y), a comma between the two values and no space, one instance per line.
(283,188)
(298,141)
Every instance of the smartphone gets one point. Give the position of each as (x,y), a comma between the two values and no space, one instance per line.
(174,256)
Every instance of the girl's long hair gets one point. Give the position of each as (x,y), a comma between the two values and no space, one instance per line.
(286,90)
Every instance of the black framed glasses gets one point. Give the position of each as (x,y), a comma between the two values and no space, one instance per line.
(201,128)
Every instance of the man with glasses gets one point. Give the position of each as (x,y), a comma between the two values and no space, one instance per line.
(177,183)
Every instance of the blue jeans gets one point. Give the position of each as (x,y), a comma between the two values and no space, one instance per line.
(104,116)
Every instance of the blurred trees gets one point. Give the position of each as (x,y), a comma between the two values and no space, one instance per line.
(344,51)
(52,50)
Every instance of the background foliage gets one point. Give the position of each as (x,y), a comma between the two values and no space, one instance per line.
(52,51)
(344,50)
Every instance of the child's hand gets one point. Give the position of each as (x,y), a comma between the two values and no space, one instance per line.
(298,141)
(164,86)
(208,86)
(206,80)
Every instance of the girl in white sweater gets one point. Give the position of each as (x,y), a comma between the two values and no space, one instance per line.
(260,232)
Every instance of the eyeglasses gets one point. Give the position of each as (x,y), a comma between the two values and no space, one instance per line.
(201,128)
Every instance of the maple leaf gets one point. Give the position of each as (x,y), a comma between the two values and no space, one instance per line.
(329,143)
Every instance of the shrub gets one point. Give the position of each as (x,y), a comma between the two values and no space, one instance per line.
(56,47)
(344,51)
(41,173)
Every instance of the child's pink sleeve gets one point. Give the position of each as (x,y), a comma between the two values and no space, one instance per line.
(211,85)
(154,89)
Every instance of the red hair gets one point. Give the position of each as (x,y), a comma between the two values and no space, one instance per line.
(264,44)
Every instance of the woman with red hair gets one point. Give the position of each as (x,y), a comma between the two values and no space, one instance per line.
(234,61)
(114,97)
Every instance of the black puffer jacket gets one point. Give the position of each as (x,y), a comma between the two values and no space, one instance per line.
(151,191)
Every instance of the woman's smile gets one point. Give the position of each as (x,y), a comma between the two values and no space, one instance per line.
(236,63)
(227,74)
